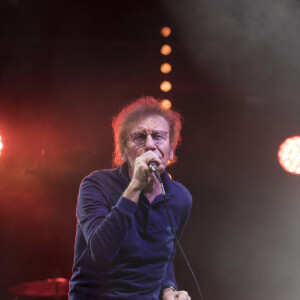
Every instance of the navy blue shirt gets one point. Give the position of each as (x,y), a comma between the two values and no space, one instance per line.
(125,250)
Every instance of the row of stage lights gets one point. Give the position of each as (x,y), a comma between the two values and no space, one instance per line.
(165,67)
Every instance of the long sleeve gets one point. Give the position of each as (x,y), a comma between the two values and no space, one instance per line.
(103,227)
(170,276)
(123,248)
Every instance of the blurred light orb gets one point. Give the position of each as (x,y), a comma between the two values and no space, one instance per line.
(165,68)
(166,86)
(1,145)
(165,49)
(165,31)
(289,155)
(165,104)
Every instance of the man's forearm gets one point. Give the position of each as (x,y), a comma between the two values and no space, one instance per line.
(132,192)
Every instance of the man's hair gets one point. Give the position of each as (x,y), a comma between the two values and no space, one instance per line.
(141,108)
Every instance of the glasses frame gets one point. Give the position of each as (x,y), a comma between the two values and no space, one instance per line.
(134,134)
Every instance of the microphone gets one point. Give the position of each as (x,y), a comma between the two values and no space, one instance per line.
(153,166)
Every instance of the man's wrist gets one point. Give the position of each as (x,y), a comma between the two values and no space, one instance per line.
(132,192)
(170,287)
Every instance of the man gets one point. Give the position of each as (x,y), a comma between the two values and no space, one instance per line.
(124,243)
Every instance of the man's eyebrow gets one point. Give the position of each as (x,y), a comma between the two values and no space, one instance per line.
(152,131)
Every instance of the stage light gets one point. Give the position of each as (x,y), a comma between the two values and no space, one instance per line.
(165,68)
(165,31)
(289,155)
(165,49)
(1,145)
(166,104)
(166,86)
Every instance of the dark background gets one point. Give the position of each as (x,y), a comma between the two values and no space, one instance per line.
(68,66)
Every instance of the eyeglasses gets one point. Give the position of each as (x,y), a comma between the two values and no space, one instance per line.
(139,138)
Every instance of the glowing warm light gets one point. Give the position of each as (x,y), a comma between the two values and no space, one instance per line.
(165,49)
(289,155)
(165,31)
(166,86)
(1,145)
(165,68)
(166,104)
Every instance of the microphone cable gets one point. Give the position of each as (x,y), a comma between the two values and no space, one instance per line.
(155,170)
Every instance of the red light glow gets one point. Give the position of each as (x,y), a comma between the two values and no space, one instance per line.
(289,155)
(1,145)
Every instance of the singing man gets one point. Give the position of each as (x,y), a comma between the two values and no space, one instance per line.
(125,246)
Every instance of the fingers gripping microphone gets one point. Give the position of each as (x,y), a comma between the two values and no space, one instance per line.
(153,166)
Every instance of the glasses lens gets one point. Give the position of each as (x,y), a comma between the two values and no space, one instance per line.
(159,136)
(139,138)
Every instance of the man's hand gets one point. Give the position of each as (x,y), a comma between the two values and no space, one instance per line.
(169,294)
(142,176)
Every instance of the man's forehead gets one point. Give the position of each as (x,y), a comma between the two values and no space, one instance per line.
(154,122)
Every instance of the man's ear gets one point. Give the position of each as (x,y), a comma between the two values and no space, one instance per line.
(171,155)
(124,156)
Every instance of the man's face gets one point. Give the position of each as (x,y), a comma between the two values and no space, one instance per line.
(152,126)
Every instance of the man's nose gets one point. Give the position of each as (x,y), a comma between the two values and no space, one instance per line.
(149,143)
